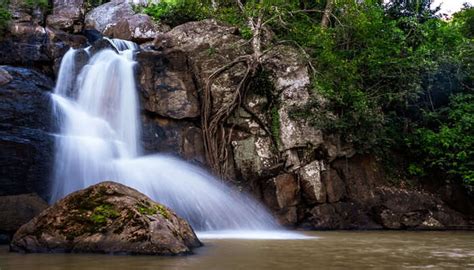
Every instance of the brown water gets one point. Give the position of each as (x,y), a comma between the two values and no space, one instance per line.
(353,250)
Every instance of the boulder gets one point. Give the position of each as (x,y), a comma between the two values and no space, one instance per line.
(17,210)
(107,218)
(107,15)
(25,132)
(138,28)
(67,15)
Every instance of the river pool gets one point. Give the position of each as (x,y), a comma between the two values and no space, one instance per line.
(327,250)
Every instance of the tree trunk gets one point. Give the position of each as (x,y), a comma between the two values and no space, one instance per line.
(327,14)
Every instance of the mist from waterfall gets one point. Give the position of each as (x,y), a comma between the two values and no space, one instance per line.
(98,117)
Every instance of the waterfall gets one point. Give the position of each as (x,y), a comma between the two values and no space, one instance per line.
(99,132)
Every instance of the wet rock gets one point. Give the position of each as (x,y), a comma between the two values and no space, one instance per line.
(17,210)
(167,85)
(107,218)
(67,15)
(25,138)
(25,44)
(341,215)
(314,190)
(107,15)
(170,136)
(408,209)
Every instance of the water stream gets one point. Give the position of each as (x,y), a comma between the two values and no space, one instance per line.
(98,116)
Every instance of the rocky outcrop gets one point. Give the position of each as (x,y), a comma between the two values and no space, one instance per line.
(107,218)
(167,84)
(25,125)
(67,15)
(17,210)
(28,42)
(359,198)
(118,20)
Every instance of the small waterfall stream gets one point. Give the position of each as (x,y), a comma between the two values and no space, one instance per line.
(98,116)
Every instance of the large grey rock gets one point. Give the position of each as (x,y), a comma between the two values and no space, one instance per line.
(137,28)
(107,218)
(108,15)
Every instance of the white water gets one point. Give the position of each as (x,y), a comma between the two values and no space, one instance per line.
(98,116)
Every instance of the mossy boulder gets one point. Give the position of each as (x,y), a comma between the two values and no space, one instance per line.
(107,218)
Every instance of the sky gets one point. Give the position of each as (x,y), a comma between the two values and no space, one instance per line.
(451,6)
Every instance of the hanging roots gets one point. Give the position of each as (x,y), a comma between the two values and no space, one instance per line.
(216,137)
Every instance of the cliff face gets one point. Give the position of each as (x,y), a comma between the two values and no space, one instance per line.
(307,178)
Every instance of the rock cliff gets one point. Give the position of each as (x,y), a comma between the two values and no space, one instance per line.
(306,177)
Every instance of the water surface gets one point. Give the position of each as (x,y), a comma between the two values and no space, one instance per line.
(328,250)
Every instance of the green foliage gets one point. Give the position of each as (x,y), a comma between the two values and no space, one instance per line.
(449,146)
(90,4)
(42,4)
(176,12)
(102,213)
(147,209)
(5,15)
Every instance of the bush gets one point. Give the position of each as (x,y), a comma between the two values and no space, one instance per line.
(5,16)
(176,12)
(448,147)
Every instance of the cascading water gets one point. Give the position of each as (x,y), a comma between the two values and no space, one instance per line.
(97,113)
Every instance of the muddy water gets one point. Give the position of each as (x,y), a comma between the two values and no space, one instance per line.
(328,250)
